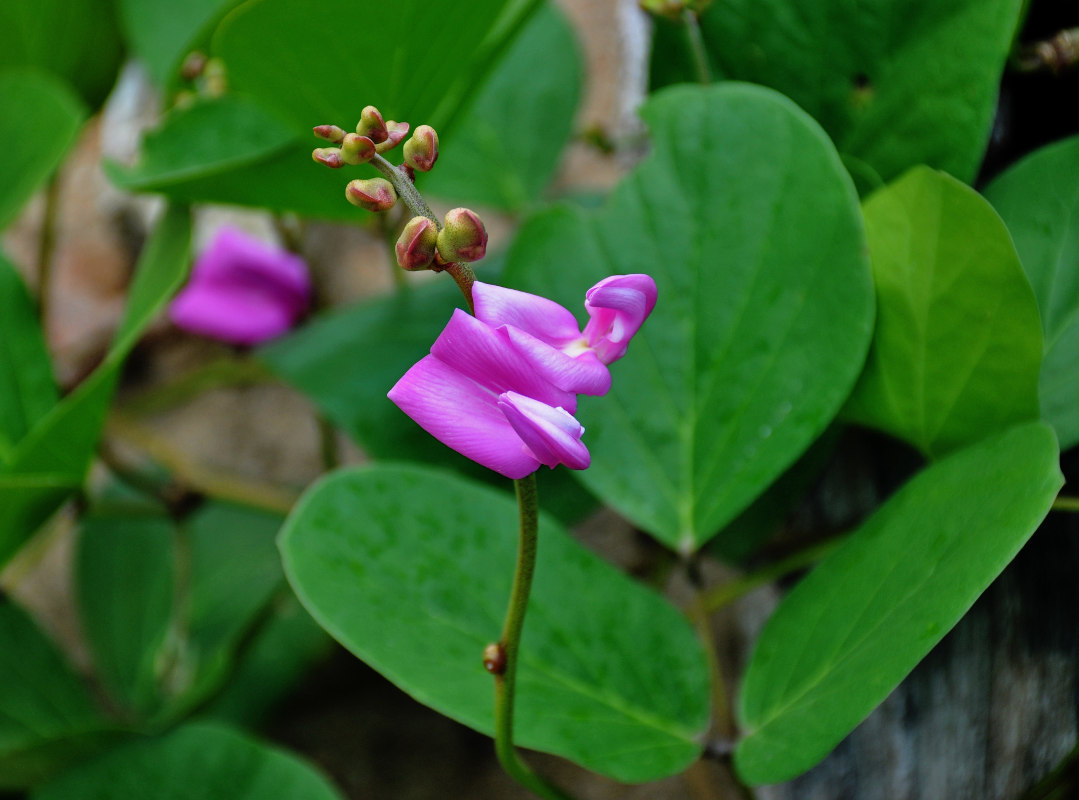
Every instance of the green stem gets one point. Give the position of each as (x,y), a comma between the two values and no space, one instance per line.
(727,593)
(506,675)
(1065,504)
(696,47)
(406,190)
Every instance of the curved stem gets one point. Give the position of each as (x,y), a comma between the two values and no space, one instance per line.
(1065,504)
(696,47)
(406,190)
(506,678)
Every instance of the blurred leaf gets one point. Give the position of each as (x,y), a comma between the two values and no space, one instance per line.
(513,139)
(1039,201)
(53,457)
(310,66)
(894,82)
(27,388)
(347,361)
(78,42)
(163,32)
(750,225)
(958,343)
(410,568)
(201,760)
(125,586)
(39,120)
(227,150)
(47,718)
(859,623)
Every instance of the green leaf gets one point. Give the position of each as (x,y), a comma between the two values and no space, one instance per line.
(53,457)
(1039,200)
(163,32)
(347,361)
(326,67)
(894,82)
(228,150)
(859,623)
(958,343)
(515,138)
(125,586)
(201,760)
(750,225)
(39,120)
(27,388)
(78,42)
(410,568)
(47,718)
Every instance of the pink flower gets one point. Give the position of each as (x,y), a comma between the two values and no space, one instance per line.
(500,388)
(242,291)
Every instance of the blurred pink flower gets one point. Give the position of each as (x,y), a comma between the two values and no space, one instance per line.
(501,387)
(242,291)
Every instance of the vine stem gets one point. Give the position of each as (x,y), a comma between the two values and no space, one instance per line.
(406,190)
(1065,504)
(696,46)
(506,678)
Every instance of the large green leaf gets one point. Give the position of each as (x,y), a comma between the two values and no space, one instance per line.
(200,761)
(27,387)
(347,361)
(411,568)
(958,343)
(228,150)
(894,82)
(162,32)
(52,459)
(1038,198)
(510,140)
(125,587)
(39,119)
(47,717)
(78,42)
(749,223)
(852,630)
(405,57)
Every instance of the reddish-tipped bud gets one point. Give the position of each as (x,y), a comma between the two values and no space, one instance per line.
(356,149)
(464,238)
(396,131)
(330,156)
(421,150)
(331,133)
(372,125)
(417,244)
(373,194)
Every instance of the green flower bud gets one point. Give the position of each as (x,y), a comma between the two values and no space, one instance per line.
(374,194)
(417,244)
(331,133)
(372,125)
(356,149)
(463,238)
(396,132)
(421,151)
(330,156)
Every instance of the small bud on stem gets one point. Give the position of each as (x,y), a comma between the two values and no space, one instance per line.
(330,156)
(331,133)
(494,658)
(421,150)
(463,238)
(373,194)
(417,244)
(356,149)
(396,132)
(372,125)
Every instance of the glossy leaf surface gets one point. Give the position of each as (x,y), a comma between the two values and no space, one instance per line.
(748,221)
(871,610)
(957,347)
(410,568)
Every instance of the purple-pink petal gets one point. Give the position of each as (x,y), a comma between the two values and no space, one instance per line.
(581,374)
(552,434)
(462,415)
(242,291)
(617,307)
(542,318)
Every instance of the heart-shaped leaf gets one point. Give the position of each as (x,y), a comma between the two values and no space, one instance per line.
(896,83)
(411,568)
(860,622)
(1039,200)
(39,119)
(958,342)
(204,760)
(749,223)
